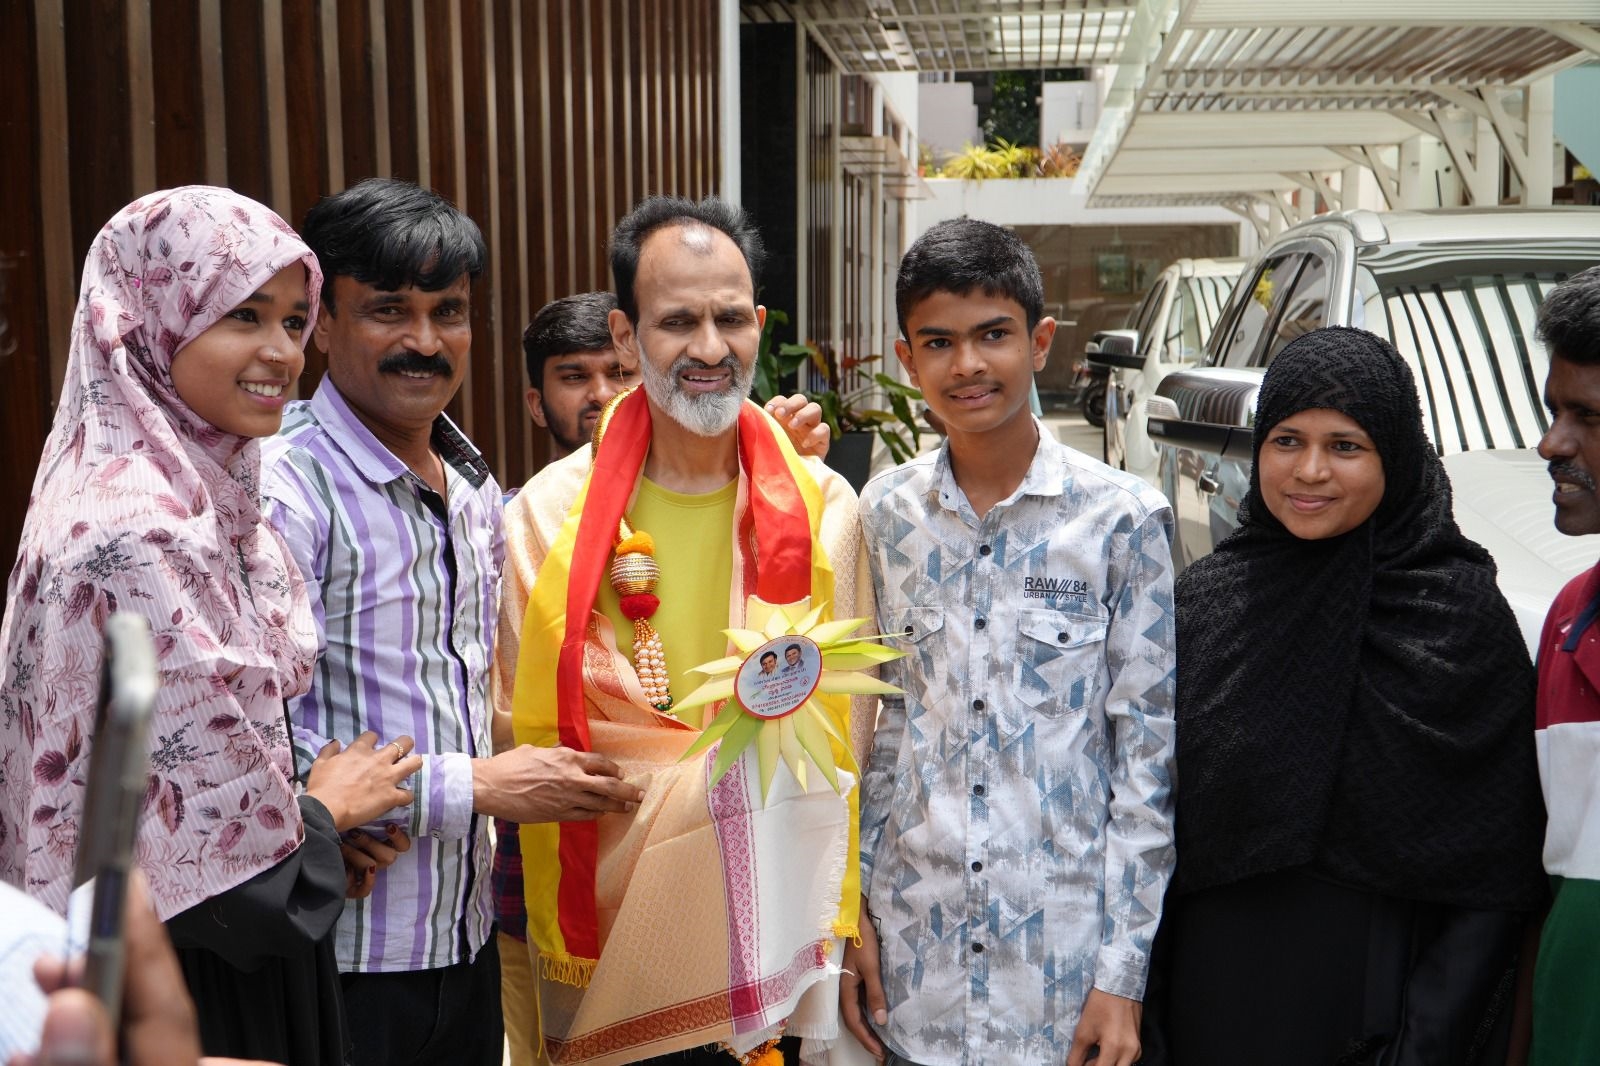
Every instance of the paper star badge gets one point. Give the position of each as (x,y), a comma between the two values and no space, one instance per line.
(769,692)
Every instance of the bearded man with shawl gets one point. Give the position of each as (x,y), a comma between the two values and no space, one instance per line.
(146,500)
(706,921)
(1358,809)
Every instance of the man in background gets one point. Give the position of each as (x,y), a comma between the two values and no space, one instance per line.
(1566,1027)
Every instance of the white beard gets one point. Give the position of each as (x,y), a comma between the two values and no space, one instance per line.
(707,415)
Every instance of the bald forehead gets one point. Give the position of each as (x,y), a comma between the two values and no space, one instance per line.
(692,236)
(695,254)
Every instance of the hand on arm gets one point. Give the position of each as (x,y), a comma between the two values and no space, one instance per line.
(532,784)
(802,420)
(362,781)
(861,988)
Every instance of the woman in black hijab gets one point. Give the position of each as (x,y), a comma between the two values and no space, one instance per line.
(1359,819)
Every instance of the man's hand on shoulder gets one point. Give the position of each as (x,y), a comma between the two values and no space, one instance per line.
(1110,1023)
(801,419)
(532,784)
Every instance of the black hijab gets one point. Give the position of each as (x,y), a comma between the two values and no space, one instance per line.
(1361,704)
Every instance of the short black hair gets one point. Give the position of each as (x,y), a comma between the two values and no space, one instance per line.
(1569,319)
(570,324)
(961,255)
(389,233)
(658,211)
(793,647)
(769,654)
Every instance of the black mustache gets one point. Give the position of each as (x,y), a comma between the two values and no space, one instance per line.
(687,363)
(1560,471)
(414,362)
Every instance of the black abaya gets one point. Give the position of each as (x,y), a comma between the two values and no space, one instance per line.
(259,959)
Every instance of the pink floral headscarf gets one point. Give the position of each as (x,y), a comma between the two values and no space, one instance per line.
(141,505)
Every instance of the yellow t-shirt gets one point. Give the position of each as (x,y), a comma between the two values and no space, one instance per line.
(694,547)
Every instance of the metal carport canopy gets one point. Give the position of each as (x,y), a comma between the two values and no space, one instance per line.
(1219,100)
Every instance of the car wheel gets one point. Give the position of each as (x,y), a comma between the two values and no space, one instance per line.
(1094,405)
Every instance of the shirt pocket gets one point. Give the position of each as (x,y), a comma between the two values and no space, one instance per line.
(1059,660)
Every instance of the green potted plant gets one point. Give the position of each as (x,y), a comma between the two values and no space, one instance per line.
(853,423)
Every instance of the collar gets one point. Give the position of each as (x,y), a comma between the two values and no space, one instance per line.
(1046,475)
(377,463)
(1587,615)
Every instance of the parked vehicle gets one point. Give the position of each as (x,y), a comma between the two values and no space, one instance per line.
(1169,331)
(1456,292)
(1089,387)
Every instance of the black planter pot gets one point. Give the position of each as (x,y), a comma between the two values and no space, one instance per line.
(851,456)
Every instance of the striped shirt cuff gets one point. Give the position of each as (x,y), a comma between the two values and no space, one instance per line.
(444,796)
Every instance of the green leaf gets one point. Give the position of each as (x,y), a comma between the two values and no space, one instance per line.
(712,733)
(862,646)
(811,737)
(897,388)
(719,666)
(831,632)
(746,640)
(855,684)
(804,624)
(734,741)
(767,756)
(720,688)
(897,447)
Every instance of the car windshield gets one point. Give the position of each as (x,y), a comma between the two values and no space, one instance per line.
(1464,320)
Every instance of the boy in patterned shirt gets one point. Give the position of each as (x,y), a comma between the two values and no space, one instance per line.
(1016,813)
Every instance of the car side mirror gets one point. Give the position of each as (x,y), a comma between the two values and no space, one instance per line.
(1167,425)
(1117,348)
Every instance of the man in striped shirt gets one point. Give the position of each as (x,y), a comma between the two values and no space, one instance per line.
(393,518)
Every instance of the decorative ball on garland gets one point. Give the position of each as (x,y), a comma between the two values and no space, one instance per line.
(634,573)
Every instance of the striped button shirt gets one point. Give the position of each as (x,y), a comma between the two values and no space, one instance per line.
(403,587)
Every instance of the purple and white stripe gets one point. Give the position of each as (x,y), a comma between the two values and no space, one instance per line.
(403,588)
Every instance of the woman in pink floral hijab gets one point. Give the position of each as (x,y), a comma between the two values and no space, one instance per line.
(188,334)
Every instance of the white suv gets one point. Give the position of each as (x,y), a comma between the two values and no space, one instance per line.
(1456,292)
(1169,329)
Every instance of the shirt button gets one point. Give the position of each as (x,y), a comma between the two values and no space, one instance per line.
(977,949)
(977,790)
(1061,637)
(977,867)
(980,623)
(977,705)
(983,549)
(910,630)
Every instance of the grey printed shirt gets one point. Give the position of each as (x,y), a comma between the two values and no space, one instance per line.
(1016,836)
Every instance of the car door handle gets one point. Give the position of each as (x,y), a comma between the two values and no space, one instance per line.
(1207,483)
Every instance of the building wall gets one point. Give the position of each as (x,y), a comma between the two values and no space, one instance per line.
(947,119)
(542,119)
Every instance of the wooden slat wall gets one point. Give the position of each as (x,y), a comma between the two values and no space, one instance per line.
(545,120)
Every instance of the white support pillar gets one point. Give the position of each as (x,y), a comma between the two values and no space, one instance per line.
(1246,209)
(1350,187)
(1483,184)
(1373,157)
(730,178)
(1538,111)
(1414,193)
